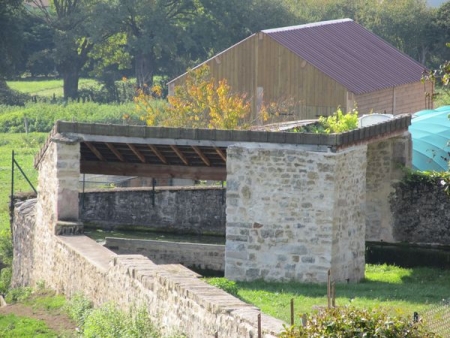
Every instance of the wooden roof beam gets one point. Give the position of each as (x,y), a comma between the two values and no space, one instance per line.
(154,170)
(136,152)
(180,154)
(158,153)
(95,151)
(221,154)
(202,156)
(115,152)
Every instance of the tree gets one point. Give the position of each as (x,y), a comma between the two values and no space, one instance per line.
(75,32)
(10,36)
(154,30)
(10,46)
(200,102)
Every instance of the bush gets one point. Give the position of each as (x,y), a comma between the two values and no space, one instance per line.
(18,294)
(349,322)
(340,122)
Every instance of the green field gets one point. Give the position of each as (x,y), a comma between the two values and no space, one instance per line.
(45,87)
(25,147)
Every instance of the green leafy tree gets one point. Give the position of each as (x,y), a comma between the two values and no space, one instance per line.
(76,29)
(154,30)
(10,46)
(10,36)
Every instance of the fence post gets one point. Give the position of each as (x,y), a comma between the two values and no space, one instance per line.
(11,201)
(292,311)
(329,288)
(259,326)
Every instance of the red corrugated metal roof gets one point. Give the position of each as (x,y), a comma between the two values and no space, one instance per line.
(350,54)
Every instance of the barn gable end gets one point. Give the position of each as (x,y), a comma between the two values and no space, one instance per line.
(318,67)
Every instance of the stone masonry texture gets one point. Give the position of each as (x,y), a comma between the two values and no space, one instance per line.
(176,299)
(183,210)
(286,209)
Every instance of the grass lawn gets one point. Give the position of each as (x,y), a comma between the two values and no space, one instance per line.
(46,87)
(37,314)
(401,291)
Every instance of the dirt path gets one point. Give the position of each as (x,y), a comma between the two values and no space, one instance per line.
(58,322)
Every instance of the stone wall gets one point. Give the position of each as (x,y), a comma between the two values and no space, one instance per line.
(286,209)
(421,213)
(192,255)
(385,162)
(176,299)
(198,210)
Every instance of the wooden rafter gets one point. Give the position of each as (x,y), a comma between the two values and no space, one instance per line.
(158,153)
(153,170)
(221,154)
(115,152)
(137,152)
(180,154)
(95,151)
(202,156)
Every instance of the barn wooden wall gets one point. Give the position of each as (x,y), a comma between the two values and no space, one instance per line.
(260,64)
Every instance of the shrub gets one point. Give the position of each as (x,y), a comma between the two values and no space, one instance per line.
(18,294)
(349,322)
(340,122)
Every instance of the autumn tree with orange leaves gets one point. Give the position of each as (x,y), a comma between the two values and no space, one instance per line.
(200,102)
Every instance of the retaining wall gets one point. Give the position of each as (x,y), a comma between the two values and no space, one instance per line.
(192,255)
(194,210)
(421,213)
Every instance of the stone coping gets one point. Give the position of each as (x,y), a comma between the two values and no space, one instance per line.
(333,141)
(397,124)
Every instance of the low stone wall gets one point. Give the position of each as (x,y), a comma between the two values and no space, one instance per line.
(197,210)
(191,255)
(175,298)
(421,214)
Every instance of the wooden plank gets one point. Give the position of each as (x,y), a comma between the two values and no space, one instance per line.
(95,151)
(156,171)
(115,152)
(202,156)
(221,154)
(137,152)
(180,154)
(158,153)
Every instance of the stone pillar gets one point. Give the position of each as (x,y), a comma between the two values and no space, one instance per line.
(293,214)
(59,172)
(385,162)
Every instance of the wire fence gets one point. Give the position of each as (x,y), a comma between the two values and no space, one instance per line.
(437,319)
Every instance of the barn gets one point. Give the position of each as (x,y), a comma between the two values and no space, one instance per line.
(314,68)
